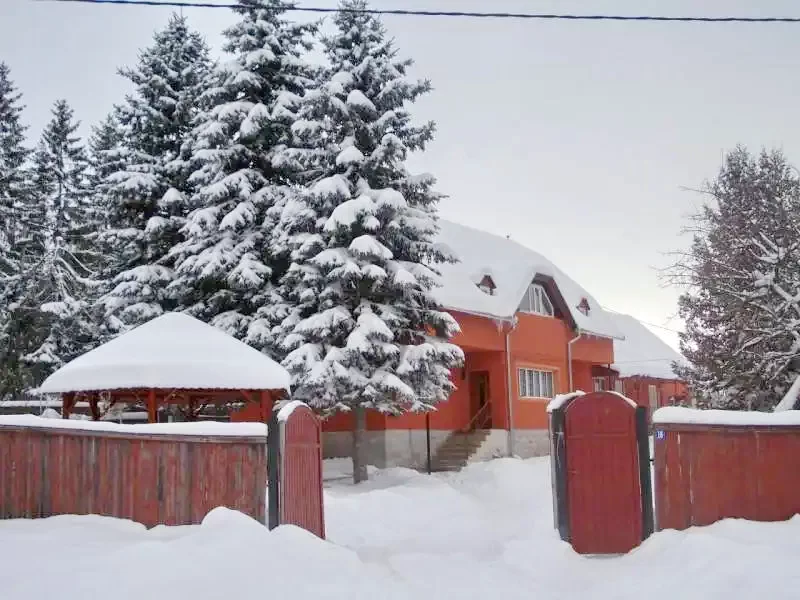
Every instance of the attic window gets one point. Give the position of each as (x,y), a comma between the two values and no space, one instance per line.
(536,301)
(584,306)
(487,285)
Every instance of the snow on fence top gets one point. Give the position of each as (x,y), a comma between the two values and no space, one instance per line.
(642,353)
(202,428)
(285,411)
(691,416)
(561,399)
(173,351)
(512,267)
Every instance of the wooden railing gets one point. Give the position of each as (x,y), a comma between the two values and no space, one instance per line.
(480,419)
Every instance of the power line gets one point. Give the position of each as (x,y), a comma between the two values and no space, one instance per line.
(665,328)
(452,13)
(644,360)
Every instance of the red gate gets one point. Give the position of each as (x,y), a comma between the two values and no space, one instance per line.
(295,470)
(604,460)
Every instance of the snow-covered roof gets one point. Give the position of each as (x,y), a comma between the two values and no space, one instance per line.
(173,351)
(642,352)
(512,268)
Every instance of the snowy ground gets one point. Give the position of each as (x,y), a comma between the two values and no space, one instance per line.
(483,533)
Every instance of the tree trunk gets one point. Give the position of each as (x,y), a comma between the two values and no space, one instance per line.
(359,449)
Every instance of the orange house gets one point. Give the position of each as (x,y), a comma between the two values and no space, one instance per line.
(643,368)
(528,332)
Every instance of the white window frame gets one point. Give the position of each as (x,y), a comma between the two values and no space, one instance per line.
(599,384)
(536,383)
(619,386)
(652,396)
(537,302)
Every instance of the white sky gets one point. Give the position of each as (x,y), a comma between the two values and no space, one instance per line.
(574,138)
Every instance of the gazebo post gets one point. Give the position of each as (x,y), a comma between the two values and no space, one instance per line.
(267,402)
(67,403)
(152,414)
(93,407)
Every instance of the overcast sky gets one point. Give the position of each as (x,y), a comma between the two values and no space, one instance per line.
(577,139)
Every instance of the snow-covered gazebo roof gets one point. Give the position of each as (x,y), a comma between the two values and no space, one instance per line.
(173,351)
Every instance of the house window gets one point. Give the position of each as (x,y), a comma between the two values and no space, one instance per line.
(486,285)
(652,393)
(619,387)
(536,301)
(599,384)
(536,384)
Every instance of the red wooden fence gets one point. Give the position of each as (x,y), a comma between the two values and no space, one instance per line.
(704,473)
(152,479)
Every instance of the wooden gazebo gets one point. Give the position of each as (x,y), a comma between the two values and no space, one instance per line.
(172,360)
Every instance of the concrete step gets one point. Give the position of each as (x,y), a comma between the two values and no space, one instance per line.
(456,451)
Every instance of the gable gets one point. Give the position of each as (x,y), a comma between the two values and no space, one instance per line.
(512,268)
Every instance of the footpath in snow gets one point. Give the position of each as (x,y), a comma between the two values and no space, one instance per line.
(483,533)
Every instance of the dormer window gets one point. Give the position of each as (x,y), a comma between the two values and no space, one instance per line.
(536,301)
(486,285)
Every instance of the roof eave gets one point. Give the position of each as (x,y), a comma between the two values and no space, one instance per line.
(607,336)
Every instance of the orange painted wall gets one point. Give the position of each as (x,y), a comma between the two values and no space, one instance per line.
(536,342)
(582,376)
(541,343)
(593,349)
(478,333)
(453,414)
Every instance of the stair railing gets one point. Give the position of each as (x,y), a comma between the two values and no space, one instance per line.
(479,420)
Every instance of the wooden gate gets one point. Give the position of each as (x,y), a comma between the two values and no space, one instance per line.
(602,461)
(295,469)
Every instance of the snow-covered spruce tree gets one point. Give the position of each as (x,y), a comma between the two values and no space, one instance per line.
(741,310)
(13,155)
(224,270)
(147,195)
(362,329)
(56,286)
(13,189)
(106,157)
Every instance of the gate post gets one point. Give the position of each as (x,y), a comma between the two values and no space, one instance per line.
(558,472)
(273,470)
(643,441)
(294,462)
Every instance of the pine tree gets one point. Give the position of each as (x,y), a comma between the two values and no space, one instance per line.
(224,268)
(361,327)
(56,286)
(106,157)
(13,190)
(743,271)
(13,155)
(147,193)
